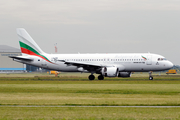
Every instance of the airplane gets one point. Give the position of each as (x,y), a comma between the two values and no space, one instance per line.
(106,65)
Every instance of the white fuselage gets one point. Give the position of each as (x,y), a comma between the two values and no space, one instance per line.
(132,62)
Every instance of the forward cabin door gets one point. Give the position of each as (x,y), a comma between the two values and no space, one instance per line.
(149,60)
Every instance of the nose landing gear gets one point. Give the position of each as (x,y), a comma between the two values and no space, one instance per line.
(150,75)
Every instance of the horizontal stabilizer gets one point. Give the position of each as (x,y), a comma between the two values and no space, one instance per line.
(21,58)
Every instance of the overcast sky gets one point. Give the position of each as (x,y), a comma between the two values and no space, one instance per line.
(95,26)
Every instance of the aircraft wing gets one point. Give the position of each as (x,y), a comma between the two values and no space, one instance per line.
(85,65)
(21,58)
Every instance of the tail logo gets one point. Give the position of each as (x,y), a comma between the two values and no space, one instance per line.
(30,51)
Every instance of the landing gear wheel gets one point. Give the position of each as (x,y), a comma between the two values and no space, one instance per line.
(100,77)
(91,77)
(150,78)
(150,75)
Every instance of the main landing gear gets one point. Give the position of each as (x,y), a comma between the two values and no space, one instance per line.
(92,77)
(150,75)
(100,77)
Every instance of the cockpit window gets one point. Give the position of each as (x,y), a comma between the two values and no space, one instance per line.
(161,59)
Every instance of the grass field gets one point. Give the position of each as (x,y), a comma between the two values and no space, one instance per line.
(101,113)
(18,95)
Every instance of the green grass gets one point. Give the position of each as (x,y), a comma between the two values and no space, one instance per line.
(72,113)
(78,91)
(110,93)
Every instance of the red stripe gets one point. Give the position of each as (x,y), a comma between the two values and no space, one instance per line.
(26,51)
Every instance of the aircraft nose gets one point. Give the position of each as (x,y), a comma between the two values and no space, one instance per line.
(170,65)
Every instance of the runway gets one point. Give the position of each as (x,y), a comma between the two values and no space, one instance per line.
(93,106)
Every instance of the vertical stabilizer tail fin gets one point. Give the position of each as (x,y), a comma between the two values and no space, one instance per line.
(27,44)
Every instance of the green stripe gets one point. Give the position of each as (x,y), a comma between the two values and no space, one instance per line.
(28,47)
(23,45)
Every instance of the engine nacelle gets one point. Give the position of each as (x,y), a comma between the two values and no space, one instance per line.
(80,69)
(109,71)
(124,74)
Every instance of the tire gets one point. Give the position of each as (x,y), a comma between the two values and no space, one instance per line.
(100,77)
(150,78)
(91,77)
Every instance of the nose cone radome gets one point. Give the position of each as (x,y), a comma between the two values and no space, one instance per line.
(170,65)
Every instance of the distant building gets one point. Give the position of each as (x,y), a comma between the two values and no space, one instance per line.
(7,64)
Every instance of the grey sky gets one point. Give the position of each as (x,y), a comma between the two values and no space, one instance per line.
(95,26)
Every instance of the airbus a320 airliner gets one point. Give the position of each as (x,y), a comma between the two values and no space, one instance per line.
(107,65)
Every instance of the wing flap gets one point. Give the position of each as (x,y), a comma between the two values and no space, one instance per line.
(85,65)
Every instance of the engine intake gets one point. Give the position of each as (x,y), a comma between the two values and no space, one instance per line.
(110,71)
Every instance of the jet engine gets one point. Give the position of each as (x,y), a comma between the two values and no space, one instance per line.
(124,74)
(80,69)
(109,71)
